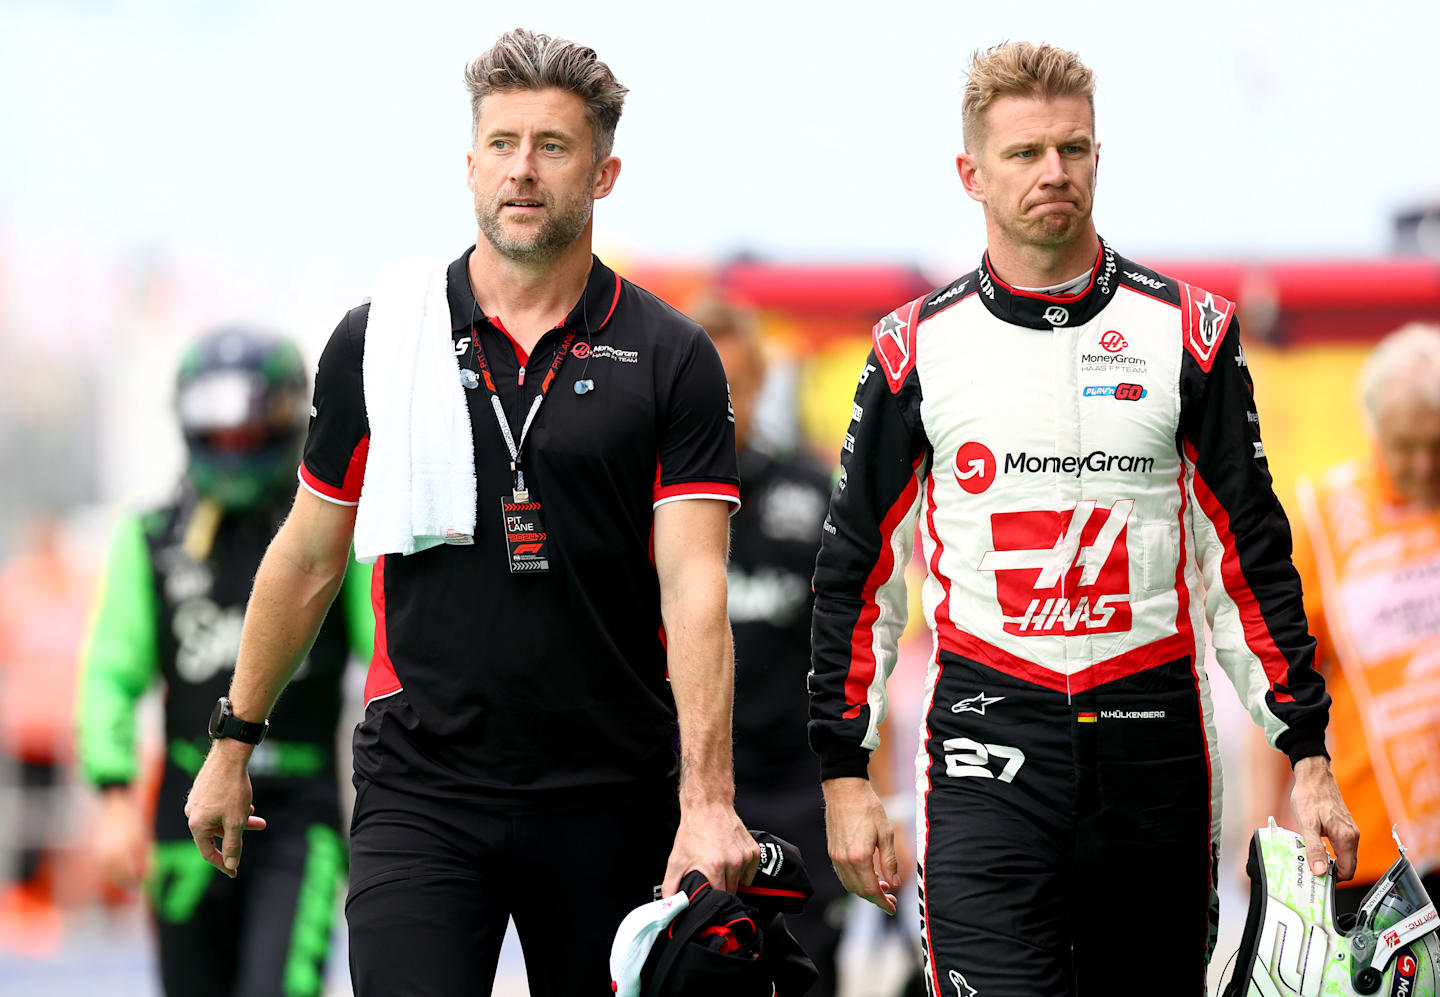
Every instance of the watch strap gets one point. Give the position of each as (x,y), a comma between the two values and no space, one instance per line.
(224,723)
(233,727)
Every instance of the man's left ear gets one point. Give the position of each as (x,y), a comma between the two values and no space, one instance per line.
(605,176)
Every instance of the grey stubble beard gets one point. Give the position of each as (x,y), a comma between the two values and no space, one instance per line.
(559,230)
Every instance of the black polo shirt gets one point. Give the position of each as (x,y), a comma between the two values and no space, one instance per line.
(540,690)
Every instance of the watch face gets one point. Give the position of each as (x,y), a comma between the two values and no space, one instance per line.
(216,715)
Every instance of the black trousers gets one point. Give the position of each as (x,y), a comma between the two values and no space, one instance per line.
(433,884)
(265,933)
(1066,841)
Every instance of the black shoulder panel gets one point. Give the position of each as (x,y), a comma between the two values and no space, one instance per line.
(1149,282)
(951,294)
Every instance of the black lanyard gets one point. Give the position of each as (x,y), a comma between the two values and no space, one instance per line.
(521,493)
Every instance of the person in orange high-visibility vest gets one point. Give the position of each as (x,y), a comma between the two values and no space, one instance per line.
(1367,545)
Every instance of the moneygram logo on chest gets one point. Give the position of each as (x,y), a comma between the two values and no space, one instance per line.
(976,466)
(1109,354)
(1062,573)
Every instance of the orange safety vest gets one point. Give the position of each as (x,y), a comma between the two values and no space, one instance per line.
(44,599)
(1370,566)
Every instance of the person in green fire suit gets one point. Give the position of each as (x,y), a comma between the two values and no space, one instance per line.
(170,610)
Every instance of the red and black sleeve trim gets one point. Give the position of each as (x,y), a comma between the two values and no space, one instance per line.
(338,441)
(881,464)
(1220,438)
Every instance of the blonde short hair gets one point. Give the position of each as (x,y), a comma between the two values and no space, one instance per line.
(1409,356)
(1020,69)
(529,60)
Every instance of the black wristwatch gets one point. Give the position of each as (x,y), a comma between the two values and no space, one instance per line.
(224,723)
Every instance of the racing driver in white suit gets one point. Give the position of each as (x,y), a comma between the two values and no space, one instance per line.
(1077,438)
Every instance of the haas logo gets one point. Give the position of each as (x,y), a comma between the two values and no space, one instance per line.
(974,467)
(1062,573)
(1113,342)
(580,351)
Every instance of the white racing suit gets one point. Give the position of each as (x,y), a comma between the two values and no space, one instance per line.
(1091,490)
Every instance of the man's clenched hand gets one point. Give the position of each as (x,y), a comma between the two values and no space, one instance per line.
(219,805)
(713,841)
(862,841)
(1322,814)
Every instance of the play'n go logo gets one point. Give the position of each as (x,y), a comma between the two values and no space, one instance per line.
(974,467)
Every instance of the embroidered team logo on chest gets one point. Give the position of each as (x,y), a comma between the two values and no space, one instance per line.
(1062,573)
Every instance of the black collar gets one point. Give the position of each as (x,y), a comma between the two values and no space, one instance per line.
(596,305)
(1049,311)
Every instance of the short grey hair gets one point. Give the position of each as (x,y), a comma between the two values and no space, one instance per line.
(528,60)
(1410,355)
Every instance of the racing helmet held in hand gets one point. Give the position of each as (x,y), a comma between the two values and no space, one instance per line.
(1294,946)
(241,399)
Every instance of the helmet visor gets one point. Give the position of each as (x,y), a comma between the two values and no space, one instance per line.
(1396,911)
(225,401)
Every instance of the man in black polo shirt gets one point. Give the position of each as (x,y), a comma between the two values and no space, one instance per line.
(519,747)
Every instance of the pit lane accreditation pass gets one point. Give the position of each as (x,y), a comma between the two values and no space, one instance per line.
(525,537)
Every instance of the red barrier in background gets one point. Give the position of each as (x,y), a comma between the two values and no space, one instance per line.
(1289,303)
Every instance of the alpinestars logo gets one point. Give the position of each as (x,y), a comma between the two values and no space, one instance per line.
(975,704)
(890,345)
(1210,317)
(962,989)
(1062,573)
(1206,323)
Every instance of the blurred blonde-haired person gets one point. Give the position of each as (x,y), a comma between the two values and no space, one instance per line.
(1367,544)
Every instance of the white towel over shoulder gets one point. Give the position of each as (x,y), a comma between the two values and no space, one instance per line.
(419,487)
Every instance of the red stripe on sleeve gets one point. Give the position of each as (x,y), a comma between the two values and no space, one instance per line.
(355,471)
(862,650)
(322,489)
(348,491)
(1257,633)
(702,489)
(380,679)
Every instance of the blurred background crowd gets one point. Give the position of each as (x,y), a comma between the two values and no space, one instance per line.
(167,168)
